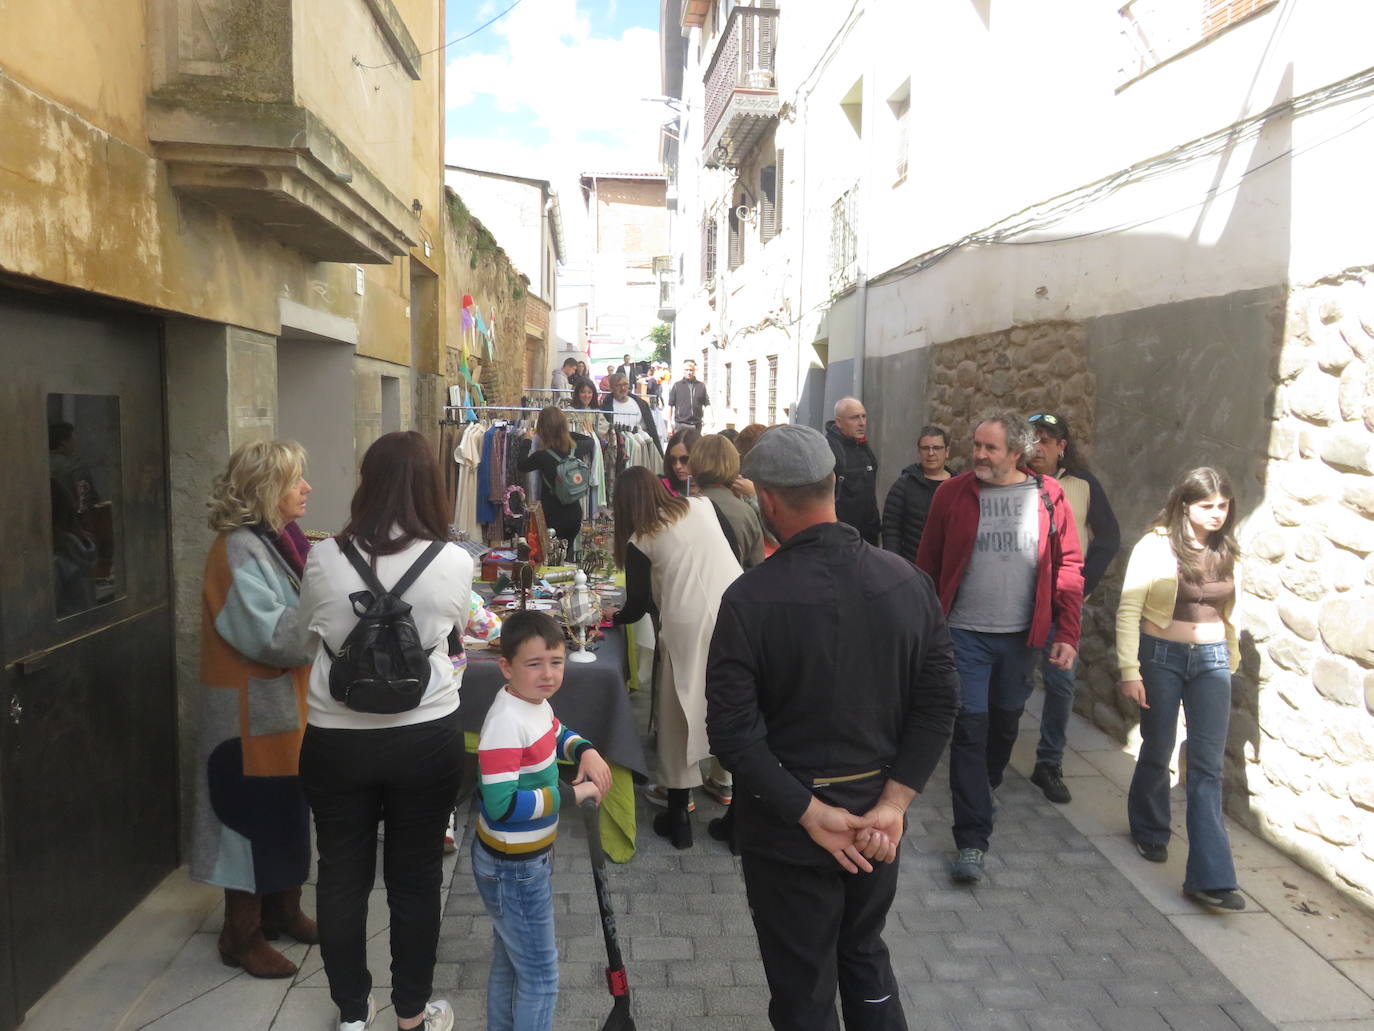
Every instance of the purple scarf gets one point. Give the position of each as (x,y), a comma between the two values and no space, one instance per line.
(291,545)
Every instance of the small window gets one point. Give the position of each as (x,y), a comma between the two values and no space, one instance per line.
(85,481)
(772,387)
(753,391)
(729,385)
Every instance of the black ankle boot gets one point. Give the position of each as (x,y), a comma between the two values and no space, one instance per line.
(676,823)
(722,828)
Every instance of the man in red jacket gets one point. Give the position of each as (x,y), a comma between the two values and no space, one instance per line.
(1001,545)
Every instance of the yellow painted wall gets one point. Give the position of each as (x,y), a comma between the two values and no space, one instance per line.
(84,203)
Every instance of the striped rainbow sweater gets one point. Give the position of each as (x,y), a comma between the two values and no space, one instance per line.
(520,743)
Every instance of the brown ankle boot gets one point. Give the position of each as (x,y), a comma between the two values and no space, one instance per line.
(241,943)
(281,913)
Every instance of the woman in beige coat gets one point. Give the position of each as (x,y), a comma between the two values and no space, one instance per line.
(676,559)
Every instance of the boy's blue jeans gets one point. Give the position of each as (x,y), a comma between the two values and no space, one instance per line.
(518,893)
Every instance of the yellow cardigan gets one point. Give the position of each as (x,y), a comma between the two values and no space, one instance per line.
(1150,590)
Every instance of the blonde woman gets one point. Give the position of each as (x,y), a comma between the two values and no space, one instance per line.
(715,467)
(1177,646)
(559,444)
(251,834)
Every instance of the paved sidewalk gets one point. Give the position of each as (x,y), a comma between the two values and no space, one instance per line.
(1071,930)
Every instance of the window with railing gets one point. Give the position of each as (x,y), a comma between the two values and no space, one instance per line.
(705,364)
(772,387)
(753,391)
(729,385)
(708,251)
(844,241)
(1153,31)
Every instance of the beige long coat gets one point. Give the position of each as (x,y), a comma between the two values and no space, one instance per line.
(692,565)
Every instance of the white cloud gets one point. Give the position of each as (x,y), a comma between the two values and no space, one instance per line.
(550,69)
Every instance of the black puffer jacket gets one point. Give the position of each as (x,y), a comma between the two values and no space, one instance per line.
(904,512)
(856,483)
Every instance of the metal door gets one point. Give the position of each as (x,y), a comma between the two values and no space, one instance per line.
(88,784)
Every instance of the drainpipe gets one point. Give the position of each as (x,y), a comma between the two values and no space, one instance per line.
(861,235)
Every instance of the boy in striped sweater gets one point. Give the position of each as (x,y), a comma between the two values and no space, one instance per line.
(518,820)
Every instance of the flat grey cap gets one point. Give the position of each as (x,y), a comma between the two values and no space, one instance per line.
(789,456)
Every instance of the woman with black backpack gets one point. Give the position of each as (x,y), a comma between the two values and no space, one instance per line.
(383,744)
(565,477)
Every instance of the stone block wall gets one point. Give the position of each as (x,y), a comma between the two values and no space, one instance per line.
(1308,602)
(1028,369)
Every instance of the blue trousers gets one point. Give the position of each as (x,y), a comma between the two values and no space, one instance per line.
(1198,677)
(522,988)
(1058,705)
(993,687)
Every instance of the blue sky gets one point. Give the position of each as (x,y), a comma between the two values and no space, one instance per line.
(554,83)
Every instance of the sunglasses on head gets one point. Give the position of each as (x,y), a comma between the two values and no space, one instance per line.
(1045,417)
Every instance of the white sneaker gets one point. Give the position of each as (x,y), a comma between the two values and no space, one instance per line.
(361,1025)
(438,1016)
(451,835)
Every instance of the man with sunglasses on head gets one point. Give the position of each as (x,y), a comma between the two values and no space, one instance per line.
(1099,536)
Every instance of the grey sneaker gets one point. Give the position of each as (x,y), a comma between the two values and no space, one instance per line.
(1050,780)
(967,866)
(1226,899)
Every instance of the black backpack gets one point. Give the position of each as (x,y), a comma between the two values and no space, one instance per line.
(382,667)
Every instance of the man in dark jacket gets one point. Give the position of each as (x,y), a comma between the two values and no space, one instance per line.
(629,410)
(829,739)
(1100,537)
(904,512)
(856,468)
(1001,545)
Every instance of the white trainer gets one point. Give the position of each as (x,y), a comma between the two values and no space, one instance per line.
(361,1025)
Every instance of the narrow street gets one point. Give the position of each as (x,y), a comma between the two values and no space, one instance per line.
(1071,932)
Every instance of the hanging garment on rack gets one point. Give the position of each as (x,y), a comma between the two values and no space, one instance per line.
(467,459)
(486,512)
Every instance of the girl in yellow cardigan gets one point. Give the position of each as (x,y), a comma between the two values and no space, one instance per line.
(1176,645)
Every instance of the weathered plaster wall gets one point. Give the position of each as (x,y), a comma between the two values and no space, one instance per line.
(221,392)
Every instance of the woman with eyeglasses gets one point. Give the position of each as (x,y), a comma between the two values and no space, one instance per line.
(1176,645)
(908,502)
(677,461)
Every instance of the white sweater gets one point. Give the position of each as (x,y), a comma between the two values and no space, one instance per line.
(438,601)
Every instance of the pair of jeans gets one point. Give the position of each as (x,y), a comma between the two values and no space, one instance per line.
(1197,676)
(993,686)
(820,930)
(522,988)
(407,777)
(1057,707)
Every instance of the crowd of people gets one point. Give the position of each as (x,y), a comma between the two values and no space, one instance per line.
(768,568)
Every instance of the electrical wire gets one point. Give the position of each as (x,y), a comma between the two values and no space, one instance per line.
(444,46)
(1044,214)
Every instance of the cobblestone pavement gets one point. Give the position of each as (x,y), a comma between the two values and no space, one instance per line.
(1055,938)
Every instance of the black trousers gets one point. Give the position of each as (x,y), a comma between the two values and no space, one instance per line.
(820,929)
(407,778)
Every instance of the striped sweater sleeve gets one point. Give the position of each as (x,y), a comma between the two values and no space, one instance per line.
(571,744)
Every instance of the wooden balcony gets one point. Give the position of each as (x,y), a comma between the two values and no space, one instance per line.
(741,89)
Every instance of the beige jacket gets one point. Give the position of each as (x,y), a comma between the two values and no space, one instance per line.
(1150,591)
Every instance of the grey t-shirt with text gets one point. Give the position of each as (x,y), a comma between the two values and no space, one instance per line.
(997,591)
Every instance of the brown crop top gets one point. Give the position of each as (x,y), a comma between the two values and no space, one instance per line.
(1202,602)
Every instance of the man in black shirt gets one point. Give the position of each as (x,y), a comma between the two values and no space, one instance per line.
(687,399)
(830,694)
(856,469)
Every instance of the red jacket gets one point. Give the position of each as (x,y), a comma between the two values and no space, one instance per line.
(947,542)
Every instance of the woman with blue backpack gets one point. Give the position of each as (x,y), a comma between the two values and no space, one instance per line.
(565,477)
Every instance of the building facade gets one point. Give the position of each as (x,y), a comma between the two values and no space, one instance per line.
(219,221)
(1146,216)
(627,230)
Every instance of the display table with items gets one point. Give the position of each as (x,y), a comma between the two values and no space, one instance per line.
(594,700)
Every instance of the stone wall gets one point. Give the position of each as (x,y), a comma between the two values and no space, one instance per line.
(1028,369)
(1309,592)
